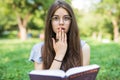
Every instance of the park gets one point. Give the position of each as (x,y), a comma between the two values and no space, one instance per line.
(22,26)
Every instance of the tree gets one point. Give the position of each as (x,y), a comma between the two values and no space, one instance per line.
(23,9)
(112,9)
(6,20)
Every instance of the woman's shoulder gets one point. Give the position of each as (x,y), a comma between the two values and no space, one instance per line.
(35,54)
(38,45)
(82,42)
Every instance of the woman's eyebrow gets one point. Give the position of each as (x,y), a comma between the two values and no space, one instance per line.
(63,15)
(55,15)
(66,15)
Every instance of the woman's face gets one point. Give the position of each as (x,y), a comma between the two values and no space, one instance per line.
(61,19)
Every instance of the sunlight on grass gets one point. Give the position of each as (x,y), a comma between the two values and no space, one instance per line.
(5,59)
(14,54)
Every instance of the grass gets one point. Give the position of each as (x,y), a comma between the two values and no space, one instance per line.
(14,64)
(14,54)
(108,57)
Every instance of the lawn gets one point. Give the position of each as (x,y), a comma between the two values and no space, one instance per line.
(14,54)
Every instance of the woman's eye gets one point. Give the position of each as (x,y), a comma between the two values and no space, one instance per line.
(55,18)
(66,18)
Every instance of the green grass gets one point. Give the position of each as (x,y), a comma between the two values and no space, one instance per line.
(106,55)
(14,54)
(14,64)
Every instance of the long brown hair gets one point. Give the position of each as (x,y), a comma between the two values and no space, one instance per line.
(73,55)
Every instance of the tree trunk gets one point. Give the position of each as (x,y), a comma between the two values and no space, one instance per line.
(22,23)
(22,32)
(115,30)
(94,35)
(99,38)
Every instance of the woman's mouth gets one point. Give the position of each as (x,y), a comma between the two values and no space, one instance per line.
(61,28)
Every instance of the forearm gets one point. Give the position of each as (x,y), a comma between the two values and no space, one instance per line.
(60,48)
(38,66)
(56,64)
(86,55)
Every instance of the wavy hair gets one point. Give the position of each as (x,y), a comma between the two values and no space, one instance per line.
(73,56)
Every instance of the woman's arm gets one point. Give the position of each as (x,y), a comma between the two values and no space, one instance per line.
(36,57)
(55,64)
(60,48)
(38,66)
(86,54)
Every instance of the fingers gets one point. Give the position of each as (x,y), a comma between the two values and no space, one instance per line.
(65,38)
(61,35)
(53,41)
(57,36)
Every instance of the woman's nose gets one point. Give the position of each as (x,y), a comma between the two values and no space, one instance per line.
(61,21)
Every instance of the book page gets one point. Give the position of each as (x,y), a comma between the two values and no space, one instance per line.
(81,69)
(57,73)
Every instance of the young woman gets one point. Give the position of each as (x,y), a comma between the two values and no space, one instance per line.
(62,47)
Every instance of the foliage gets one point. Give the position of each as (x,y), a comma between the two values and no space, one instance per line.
(98,19)
(14,64)
(111,8)
(13,10)
(91,22)
(7,18)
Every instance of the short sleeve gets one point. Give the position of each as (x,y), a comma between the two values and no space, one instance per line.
(35,54)
(82,43)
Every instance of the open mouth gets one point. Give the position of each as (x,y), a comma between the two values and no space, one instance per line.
(61,28)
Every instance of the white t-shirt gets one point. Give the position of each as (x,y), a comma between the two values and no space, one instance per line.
(35,54)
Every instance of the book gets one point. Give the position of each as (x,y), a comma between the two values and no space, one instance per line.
(77,73)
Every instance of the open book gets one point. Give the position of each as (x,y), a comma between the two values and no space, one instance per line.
(77,73)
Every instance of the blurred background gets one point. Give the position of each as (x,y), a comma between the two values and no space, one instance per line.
(22,25)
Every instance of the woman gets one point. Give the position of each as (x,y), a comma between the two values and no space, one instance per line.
(62,47)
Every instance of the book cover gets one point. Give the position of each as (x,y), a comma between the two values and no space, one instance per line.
(77,73)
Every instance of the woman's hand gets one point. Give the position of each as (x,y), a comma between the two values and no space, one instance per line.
(60,45)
